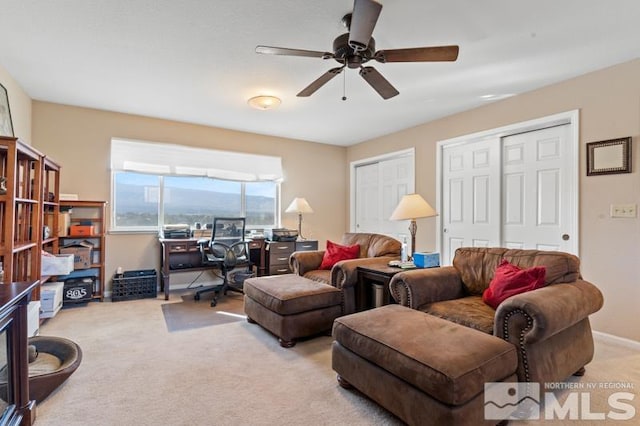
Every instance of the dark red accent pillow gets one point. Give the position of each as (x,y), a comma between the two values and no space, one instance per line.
(510,280)
(335,253)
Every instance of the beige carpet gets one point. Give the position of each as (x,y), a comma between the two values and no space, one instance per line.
(135,372)
(189,313)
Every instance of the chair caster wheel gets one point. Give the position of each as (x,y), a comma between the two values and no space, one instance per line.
(196,297)
(214,302)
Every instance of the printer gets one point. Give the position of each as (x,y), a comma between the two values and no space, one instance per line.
(281,234)
(176,231)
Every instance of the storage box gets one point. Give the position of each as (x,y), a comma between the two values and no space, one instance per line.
(57,264)
(137,284)
(82,230)
(81,252)
(426,260)
(77,291)
(64,222)
(51,299)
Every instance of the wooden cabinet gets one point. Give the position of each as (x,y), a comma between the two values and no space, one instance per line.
(278,253)
(91,216)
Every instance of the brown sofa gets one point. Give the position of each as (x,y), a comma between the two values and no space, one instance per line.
(548,326)
(374,249)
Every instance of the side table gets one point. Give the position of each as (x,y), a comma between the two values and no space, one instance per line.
(368,278)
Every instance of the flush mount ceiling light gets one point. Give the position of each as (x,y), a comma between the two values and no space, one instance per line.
(264,102)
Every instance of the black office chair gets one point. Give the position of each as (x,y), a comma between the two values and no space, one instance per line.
(227,249)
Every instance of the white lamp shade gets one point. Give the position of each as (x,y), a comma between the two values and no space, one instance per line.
(299,205)
(412,206)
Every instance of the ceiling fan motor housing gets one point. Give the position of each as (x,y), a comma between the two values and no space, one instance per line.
(345,54)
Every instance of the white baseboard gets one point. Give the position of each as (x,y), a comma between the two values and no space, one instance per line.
(610,338)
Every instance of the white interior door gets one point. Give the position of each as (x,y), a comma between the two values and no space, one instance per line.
(535,168)
(470,196)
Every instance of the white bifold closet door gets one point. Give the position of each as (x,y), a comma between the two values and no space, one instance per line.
(511,192)
(379,187)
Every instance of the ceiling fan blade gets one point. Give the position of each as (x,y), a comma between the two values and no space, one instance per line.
(270,50)
(378,82)
(418,54)
(363,20)
(321,81)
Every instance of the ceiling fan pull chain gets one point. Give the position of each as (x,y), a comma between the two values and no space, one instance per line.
(344,86)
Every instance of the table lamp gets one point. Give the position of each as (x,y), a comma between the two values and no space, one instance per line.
(299,205)
(412,207)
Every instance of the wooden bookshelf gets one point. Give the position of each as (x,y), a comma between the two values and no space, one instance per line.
(92,213)
(20,211)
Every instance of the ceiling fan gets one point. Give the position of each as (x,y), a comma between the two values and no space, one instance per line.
(357,47)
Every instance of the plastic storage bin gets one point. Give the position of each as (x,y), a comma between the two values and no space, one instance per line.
(58,264)
(77,290)
(132,285)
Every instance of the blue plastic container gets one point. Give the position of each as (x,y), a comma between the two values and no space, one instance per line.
(426,260)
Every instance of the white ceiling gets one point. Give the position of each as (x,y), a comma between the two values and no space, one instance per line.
(194,60)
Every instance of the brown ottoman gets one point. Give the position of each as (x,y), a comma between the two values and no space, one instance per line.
(425,370)
(291,306)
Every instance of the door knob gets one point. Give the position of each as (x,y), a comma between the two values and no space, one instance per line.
(565,237)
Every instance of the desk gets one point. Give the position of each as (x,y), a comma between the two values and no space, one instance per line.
(368,276)
(16,407)
(182,255)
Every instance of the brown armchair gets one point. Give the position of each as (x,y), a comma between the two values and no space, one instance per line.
(548,326)
(374,249)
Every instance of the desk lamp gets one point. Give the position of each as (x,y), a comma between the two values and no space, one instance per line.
(299,205)
(412,207)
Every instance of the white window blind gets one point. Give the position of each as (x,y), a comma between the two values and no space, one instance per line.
(179,160)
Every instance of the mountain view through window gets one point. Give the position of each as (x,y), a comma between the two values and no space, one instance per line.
(189,200)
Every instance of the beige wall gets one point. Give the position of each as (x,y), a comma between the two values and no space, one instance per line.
(609,104)
(79,139)
(20,105)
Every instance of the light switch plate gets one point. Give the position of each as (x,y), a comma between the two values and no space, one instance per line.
(624,210)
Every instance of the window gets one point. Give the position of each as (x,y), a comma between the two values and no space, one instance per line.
(135,200)
(148,192)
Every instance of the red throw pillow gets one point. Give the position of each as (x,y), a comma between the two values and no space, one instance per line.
(335,253)
(510,280)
